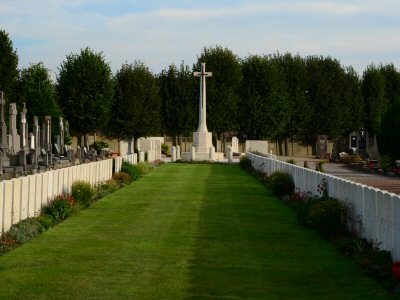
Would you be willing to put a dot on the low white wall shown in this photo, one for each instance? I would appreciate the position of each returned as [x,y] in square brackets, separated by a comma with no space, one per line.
[22,198]
[379,210]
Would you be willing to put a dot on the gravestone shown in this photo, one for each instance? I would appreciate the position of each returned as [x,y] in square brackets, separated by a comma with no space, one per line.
[23,134]
[3,136]
[61,143]
[322,146]
[235,144]
[13,144]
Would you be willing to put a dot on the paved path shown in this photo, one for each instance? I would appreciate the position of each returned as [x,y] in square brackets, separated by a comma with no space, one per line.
[390,184]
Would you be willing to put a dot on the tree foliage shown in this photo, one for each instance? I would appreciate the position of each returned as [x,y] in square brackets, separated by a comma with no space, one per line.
[179,103]
[137,106]
[85,91]
[8,67]
[373,89]
[222,88]
[389,133]
[265,107]
[37,91]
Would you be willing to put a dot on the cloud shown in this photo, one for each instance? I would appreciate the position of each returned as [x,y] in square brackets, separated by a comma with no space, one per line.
[162,32]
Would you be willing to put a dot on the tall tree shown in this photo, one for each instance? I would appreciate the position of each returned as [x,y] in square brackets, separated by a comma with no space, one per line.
[373,90]
[325,78]
[179,104]
[295,75]
[37,91]
[136,108]
[222,88]
[353,113]
[389,134]
[265,109]
[8,67]
[85,91]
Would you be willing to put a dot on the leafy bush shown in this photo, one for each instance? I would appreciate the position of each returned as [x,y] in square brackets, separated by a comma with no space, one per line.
[245,163]
[281,183]
[82,192]
[291,161]
[326,217]
[165,150]
[25,230]
[106,188]
[45,221]
[60,208]
[387,163]
[144,168]
[319,166]
[121,179]
[133,170]
[99,145]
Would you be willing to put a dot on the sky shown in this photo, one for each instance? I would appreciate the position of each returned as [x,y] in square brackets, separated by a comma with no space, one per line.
[159,33]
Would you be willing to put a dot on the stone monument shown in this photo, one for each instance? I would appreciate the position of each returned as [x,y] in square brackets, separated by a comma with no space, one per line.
[202,139]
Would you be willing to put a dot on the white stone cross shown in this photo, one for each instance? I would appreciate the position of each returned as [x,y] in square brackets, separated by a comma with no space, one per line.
[202,107]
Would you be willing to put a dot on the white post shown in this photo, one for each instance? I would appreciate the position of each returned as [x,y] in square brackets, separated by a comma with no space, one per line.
[212,153]
[230,154]
[193,153]
[173,154]
[178,152]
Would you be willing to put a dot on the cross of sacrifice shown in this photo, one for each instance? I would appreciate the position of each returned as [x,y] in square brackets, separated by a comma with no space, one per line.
[202,107]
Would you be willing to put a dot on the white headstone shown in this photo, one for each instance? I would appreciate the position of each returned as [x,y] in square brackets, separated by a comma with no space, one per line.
[235,144]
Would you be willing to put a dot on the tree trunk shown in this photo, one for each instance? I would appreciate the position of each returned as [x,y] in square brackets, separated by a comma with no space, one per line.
[180,140]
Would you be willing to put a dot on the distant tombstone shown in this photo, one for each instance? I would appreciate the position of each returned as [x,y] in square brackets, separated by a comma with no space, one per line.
[235,144]
[3,126]
[43,151]
[322,146]
[61,144]
[84,150]
[219,146]
[13,145]
[23,130]
[31,140]
[178,152]
[57,151]
[212,153]
[47,138]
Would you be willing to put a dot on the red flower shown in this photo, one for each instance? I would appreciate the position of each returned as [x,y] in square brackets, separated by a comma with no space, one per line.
[396,270]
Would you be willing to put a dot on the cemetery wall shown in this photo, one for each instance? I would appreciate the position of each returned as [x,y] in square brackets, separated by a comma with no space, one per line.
[24,197]
[379,210]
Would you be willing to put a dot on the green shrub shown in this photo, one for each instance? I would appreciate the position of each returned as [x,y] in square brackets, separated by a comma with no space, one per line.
[120,179]
[82,192]
[291,161]
[60,208]
[45,221]
[387,163]
[99,145]
[281,183]
[319,166]
[144,168]
[326,217]
[107,187]
[165,149]
[25,230]
[245,163]
[133,170]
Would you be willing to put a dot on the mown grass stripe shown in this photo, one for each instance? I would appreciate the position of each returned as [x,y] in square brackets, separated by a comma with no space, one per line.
[184,231]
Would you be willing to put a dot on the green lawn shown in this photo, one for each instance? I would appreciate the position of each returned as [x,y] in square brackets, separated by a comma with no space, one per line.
[183,231]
